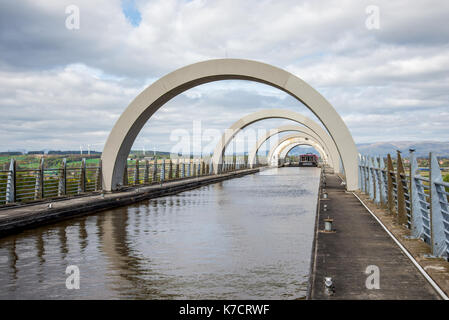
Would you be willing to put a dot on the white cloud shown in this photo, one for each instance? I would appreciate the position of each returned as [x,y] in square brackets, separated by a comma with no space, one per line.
[61,88]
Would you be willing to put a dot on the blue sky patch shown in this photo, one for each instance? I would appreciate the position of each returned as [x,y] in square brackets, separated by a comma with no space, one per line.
[131,12]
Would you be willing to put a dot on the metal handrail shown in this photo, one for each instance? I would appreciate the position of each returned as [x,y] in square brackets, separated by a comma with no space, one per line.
[422,200]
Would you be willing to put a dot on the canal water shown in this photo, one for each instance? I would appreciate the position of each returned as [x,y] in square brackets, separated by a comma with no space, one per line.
[245,238]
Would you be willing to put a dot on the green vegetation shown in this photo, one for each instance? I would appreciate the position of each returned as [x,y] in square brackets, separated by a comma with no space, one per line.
[30,162]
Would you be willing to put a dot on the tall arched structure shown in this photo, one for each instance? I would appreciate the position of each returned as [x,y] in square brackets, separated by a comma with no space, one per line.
[331,150]
[307,137]
[128,126]
[293,142]
[245,121]
[297,138]
[282,153]
[284,150]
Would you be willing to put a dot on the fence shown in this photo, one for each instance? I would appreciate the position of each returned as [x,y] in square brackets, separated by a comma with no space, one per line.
[416,196]
[24,185]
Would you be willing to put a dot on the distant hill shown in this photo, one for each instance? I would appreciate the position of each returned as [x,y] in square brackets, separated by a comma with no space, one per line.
[422,148]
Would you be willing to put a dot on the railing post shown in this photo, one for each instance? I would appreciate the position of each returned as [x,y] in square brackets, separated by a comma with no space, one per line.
[365,175]
[146,173]
[359,160]
[162,177]
[99,176]
[438,205]
[170,170]
[400,172]
[371,182]
[11,185]
[42,178]
[183,169]
[383,183]
[362,174]
[37,184]
[136,173]
[154,179]
[82,180]
[62,186]
[390,171]
[377,180]
[417,201]
[362,167]
[188,168]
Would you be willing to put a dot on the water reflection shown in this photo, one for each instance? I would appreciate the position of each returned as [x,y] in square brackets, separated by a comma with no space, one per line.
[247,238]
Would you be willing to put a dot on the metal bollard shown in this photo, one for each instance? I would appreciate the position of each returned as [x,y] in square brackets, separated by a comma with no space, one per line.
[328,224]
[329,288]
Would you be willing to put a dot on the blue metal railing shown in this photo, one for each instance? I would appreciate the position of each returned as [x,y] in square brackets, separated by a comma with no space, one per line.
[418,202]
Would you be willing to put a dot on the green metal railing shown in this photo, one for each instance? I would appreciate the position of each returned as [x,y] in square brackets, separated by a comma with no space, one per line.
[19,185]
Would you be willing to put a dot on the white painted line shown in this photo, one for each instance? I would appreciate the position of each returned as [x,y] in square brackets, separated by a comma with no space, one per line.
[417,265]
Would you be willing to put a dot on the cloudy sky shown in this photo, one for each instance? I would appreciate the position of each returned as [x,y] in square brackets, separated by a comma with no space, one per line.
[64,87]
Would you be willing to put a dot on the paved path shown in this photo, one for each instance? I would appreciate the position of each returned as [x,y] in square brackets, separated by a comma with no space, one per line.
[360,241]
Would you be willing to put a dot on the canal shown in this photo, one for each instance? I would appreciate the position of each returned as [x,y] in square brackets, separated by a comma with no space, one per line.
[245,238]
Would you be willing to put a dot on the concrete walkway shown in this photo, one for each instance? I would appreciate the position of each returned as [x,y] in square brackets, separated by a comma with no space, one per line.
[360,241]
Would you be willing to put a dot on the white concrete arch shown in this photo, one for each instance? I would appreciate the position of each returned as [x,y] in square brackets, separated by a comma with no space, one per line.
[299,139]
[284,139]
[139,111]
[331,150]
[283,154]
[280,157]
[305,137]
[245,121]
[284,150]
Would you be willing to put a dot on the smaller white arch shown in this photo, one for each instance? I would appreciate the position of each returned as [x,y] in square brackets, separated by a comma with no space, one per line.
[331,150]
[236,127]
[284,150]
[294,138]
[285,140]
[280,154]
